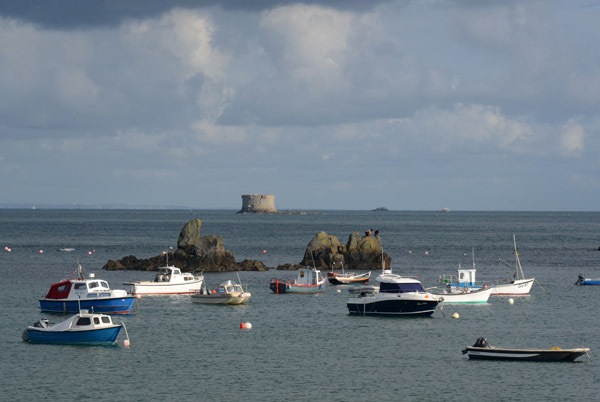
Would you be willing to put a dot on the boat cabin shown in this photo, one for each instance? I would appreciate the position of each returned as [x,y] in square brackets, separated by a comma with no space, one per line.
[172,274]
[465,278]
[92,320]
[229,286]
[79,288]
[401,287]
[308,276]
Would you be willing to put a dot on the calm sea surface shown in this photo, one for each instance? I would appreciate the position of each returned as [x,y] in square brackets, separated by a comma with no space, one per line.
[304,347]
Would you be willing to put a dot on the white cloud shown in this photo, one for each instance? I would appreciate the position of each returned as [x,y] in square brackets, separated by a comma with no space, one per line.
[206,132]
[572,138]
[476,124]
[313,42]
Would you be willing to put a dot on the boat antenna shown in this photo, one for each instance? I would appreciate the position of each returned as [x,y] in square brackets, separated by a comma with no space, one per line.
[313,259]
[473,252]
[80,271]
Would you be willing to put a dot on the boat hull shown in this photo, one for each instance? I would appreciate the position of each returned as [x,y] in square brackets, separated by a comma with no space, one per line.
[476,296]
[157,288]
[286,287]
[538,355]
[371,305]
[103,336]
[520,287]
[348,280]
[108,305]
[221,299]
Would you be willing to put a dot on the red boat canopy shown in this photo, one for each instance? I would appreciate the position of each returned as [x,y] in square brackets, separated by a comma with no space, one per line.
[59,290]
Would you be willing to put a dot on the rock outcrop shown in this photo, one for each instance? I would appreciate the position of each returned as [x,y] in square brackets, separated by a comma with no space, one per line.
[326,252]
[194,253]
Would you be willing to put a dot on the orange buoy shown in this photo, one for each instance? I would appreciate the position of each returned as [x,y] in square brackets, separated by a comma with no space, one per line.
[242,325]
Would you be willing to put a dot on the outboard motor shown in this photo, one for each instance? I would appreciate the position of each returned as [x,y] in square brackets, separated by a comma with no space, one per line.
[481,343]
[580,280]
[42,323]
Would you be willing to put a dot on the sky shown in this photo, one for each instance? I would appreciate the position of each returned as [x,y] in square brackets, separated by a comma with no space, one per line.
[349,104]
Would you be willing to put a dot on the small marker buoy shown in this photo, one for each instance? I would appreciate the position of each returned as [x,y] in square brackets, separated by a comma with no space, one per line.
[426,252]
[242,325]
[338,291]
[264,251]
[41,251]
[511,301]
[89,252]
[126,343]
[137,296]
[247,325]
[94,250]
[455,315]
[409,251]
[171,248]
[8,250]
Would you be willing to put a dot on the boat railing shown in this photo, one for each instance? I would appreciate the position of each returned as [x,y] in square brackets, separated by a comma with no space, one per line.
[448,279]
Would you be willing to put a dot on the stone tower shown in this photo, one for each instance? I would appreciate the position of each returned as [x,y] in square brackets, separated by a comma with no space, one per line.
[258,203]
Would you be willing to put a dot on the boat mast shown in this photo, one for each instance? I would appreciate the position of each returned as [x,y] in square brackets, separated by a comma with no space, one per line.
[518,267]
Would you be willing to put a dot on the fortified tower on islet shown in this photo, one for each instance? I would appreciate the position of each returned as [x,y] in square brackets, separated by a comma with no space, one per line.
[258,203]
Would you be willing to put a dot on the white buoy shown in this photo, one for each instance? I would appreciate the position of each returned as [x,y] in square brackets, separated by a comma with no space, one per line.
[338,291]
[511,301]
[455,315]
[247,325]
[41,251]
[126,343]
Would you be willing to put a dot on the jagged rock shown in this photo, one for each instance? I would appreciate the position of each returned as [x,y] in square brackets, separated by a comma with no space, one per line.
[326,252]
[253,265]
[289,267]
[194,253]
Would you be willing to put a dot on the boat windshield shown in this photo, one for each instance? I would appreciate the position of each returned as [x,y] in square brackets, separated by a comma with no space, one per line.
[400,287]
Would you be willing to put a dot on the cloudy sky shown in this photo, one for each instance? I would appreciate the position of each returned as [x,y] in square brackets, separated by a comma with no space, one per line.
[349,104]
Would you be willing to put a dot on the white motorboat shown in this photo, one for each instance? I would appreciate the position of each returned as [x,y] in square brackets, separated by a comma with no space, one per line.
[228,292]
[168,281]
[482,351]
[396,296]
[518,286]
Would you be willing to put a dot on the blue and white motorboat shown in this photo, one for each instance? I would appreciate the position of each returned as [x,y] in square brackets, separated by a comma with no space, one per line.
[396,296]
[95,295]
[83,328]
[582,280]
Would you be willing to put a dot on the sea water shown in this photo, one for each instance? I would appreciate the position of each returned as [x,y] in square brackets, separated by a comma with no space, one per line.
[304,347]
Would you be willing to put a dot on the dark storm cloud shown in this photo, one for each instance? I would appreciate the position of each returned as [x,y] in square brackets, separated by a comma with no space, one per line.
[73,14]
